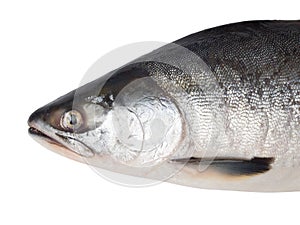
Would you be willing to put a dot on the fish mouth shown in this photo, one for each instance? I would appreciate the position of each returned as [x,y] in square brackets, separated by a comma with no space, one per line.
[37,133]
[56,144]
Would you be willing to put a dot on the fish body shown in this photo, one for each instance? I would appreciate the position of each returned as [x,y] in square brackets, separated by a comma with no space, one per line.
[218,109]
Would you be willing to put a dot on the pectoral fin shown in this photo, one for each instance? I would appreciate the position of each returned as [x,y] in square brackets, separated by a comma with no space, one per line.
[232,166]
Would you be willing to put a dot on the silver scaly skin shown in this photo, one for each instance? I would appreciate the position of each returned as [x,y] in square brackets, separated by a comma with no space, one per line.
[226,99]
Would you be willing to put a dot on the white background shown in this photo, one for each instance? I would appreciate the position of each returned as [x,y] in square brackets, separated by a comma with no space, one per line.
[45,48]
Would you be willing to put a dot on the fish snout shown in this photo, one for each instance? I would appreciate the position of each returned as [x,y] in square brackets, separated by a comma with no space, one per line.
[36,121]
[36,116]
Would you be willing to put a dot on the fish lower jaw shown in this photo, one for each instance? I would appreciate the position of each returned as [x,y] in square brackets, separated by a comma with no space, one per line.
[36,133]
[54,145]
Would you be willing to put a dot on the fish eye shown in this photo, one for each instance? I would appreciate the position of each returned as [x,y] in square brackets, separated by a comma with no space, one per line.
[71,120]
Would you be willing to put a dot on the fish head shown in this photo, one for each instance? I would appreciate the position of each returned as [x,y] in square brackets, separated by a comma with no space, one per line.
[121,121]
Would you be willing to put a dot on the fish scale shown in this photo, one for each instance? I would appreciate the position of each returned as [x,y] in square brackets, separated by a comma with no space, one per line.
[249,54]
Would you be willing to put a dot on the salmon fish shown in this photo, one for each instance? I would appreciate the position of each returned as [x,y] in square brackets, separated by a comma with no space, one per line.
[218,109]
